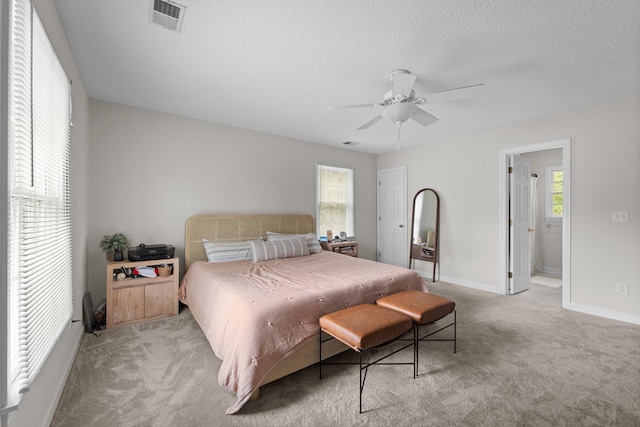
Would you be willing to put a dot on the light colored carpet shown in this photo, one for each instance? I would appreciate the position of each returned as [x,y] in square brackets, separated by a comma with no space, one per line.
[518,363]
[547,281]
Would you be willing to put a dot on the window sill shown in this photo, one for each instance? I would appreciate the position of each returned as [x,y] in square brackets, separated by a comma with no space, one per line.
[553,219]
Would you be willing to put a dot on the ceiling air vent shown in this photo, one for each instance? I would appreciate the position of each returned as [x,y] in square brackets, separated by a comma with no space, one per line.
[167,14]
[352,143]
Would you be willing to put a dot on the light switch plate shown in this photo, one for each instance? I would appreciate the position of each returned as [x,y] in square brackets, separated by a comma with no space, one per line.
[620,216]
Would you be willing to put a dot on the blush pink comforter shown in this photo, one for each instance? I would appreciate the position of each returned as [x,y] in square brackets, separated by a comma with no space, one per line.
[254,315]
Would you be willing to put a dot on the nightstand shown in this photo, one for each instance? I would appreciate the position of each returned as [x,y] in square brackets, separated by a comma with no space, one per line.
[135,300]
[345,247]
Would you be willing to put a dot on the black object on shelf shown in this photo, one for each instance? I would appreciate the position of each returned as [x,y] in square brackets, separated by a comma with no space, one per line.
[144,252]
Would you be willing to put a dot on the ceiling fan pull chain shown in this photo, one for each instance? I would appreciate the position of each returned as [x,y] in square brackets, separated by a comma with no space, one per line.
[399,124]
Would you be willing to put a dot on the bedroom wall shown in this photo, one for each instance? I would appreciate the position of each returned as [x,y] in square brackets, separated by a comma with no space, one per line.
[605,178]
[38,405]
[150,171]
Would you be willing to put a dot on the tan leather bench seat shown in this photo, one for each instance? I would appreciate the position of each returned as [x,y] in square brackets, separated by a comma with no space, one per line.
[365,326]
[423,308]
[420,306]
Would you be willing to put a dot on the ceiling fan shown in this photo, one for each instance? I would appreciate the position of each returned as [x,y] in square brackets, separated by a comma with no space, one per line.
[400,103]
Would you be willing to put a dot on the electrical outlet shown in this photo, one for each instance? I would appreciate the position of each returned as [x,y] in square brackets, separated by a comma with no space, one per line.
[447,261]
[622,288]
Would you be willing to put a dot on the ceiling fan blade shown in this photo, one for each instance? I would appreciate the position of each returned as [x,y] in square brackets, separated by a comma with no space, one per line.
[455,94]
[370,122]
[424,118]
[403,83]
[342,107]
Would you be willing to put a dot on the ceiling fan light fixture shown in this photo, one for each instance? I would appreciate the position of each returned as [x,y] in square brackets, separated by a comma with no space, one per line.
[400,112]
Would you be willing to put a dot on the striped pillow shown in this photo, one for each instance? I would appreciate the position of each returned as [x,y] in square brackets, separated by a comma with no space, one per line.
[312,240]
[288,248]
[227,251]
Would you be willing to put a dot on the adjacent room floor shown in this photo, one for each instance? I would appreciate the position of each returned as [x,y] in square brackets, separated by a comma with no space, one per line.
[548,290]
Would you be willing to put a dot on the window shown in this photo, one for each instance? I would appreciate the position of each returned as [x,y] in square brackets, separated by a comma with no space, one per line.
[36,279]
[334,198]
[555,192]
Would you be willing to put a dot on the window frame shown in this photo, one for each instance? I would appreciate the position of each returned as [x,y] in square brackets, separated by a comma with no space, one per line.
[549,193]
[36,239]
[350,226]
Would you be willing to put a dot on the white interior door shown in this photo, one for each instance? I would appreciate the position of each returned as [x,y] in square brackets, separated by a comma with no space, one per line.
[520,224]
[392,217]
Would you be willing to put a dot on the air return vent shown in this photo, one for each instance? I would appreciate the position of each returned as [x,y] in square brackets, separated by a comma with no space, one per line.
[167,14]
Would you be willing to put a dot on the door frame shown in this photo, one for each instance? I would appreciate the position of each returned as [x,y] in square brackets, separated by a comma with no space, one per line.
[405,246]
[565,145]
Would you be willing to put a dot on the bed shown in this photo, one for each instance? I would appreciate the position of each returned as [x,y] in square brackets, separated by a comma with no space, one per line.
[261,319]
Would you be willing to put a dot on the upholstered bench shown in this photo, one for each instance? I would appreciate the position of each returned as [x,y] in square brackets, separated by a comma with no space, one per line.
[423,308]
[366,327]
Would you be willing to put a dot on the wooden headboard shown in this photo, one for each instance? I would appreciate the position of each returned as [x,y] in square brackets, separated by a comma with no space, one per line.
[237,227]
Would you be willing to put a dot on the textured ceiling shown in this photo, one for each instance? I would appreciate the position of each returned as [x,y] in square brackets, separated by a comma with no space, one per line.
[275,66]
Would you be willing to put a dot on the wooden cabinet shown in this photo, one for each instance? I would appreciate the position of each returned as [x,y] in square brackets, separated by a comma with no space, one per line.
[346,248]
[135,300]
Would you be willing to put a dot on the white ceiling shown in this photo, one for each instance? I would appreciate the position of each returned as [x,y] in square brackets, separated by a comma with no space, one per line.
[275,66]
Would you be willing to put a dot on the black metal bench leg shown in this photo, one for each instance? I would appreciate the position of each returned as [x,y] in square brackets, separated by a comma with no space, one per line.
[455,336]
[455,331]
[320,362]
[361,382]
[364,365]
[415,351]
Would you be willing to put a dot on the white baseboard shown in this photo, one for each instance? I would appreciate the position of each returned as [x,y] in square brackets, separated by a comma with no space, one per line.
[552,270]
[609,314]
[473,285]
[462,282]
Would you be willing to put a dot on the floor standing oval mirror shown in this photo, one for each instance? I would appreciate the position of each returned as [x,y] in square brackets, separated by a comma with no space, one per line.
[425,224]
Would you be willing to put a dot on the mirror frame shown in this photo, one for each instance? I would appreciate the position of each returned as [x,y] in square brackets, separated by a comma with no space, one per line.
[437,237]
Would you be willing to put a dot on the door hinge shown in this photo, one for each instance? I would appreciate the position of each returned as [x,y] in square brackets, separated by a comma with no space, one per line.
[510,169]
[510,222]
[510,275]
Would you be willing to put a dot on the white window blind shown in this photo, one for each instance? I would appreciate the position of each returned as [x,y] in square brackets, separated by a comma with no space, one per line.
[334,197]
[39,277]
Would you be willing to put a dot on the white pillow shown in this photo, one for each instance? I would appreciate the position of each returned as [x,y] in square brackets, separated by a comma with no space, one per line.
[287,248]
[227,251]
[312,240]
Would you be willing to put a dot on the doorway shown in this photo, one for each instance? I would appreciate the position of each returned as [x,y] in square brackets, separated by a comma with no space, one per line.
[564,223]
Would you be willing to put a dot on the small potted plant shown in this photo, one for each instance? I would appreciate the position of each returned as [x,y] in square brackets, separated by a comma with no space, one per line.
[114,245]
